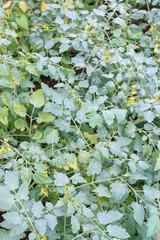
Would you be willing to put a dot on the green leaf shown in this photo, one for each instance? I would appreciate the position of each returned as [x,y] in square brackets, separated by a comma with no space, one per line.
[11,180]
[109,217]
[5,235]
[53,137]
[37,209]
[32,236]
[87,212]
[20,124]
[121,115]
[118,232]
[60,179]
[104,152]
[31,69]
[64,47]
[45,117]
[95,120]
[41,226]
[120,21]
[12,217]
[51,220]
[26,174]
[23,192]
[77,178]
[16,76]
[19,110]
[149,116]
[99,12]
[18,229]
[119,190]
[94,167]
[6,199]
[153,225]
[22,21]
[102,191]
[37,98]
[151,192]
[138,212]
[75,224]
[108,116]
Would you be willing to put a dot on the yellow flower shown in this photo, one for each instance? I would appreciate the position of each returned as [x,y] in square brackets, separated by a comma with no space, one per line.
[44,191]
[133,92]
[107,59]
[6,139]
[86,27]
[8,13]
[46,27]
[65,7]
[82,104]
[131,100]
[44,5]
[9,149]
[156,98]
[35,25]
[151,28]
[44,238]
[64,141]
[133,86]
[0,156]
[23,77]
[67,187]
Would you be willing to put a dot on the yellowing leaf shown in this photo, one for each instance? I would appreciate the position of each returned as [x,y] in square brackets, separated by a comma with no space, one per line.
[23,6]
[3,115]
[37,98]
[20,124]
[44,5]
[7,4]
[37,135]
[74,164]
[157,167]
[45,117]
[5,98]
[19,110]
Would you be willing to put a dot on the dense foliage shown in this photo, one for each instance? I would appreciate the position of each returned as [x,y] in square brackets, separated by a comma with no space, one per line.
[79,119]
